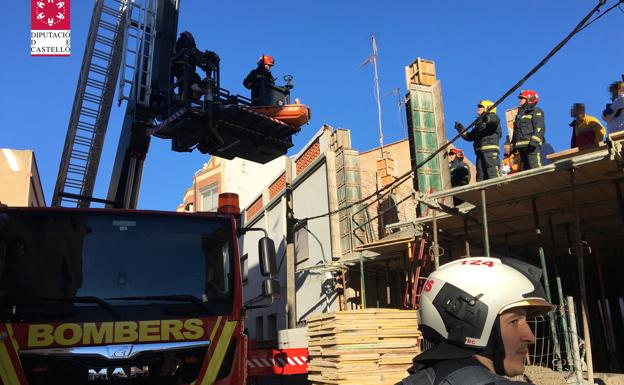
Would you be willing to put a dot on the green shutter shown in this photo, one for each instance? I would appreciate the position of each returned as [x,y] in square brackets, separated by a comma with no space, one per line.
[424,139]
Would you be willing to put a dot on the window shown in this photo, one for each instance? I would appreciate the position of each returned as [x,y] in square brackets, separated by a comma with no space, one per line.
[259,328]
[271,327]
[61,255]
[245,268]
[210,197]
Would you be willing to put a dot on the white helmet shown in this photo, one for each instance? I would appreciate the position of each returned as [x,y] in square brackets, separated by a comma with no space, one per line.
[461,300]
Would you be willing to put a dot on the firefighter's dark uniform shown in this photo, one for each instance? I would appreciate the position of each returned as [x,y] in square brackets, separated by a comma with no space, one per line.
[528,136]
[460,173]
[463,371]
[185,41]
[259,81]
[486,137]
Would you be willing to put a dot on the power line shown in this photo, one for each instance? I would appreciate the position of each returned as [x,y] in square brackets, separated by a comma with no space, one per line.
[579,27]
[620,2]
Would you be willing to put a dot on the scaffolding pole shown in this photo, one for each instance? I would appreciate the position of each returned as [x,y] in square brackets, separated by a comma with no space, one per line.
[581,273]
[362,276]
[486,237]
[608,324]
[564,324]
[578,368]
[564,321]
[436,252]
[542,257]
[466,243]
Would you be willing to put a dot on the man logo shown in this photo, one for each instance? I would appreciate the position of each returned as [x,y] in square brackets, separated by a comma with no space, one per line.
[119,351]
[106,374]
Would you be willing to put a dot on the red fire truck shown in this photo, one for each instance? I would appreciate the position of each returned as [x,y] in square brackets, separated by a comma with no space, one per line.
[120,296]
[126,297]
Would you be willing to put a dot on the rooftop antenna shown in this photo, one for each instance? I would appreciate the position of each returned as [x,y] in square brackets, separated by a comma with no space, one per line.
[397,92]
[377,95]
[373,59]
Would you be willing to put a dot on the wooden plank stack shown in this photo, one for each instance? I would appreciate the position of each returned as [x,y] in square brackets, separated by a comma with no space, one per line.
[362,347]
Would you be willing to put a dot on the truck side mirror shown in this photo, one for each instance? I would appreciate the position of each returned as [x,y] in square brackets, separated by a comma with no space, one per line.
[266,253]
[270,288]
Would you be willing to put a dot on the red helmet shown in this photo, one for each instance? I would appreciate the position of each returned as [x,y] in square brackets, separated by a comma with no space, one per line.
[530,96]
[457,152]
[266,60]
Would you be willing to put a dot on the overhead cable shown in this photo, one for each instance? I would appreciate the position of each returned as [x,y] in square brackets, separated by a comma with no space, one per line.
[579,27]
[617,4]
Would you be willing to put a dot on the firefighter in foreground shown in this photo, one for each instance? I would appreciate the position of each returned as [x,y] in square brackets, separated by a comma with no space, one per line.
[586,129]
[259,81]
[486,137]
[460,173]
[529,130]
[475,311]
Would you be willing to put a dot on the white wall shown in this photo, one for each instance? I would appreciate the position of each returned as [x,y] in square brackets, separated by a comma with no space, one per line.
[273,221]
[310,198]
[246,178]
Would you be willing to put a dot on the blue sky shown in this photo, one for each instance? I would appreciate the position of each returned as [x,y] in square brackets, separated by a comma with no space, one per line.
[480,49]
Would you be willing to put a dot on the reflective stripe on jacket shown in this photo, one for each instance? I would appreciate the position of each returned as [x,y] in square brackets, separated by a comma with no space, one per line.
[529,127]
[486,134]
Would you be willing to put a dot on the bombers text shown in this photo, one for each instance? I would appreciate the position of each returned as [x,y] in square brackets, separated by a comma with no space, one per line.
[91,333]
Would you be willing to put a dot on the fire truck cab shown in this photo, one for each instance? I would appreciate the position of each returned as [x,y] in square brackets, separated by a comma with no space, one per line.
[97,296]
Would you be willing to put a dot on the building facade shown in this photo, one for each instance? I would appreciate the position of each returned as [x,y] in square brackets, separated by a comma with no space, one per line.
[20,184]
[339,208]
[222,175]
[311,178]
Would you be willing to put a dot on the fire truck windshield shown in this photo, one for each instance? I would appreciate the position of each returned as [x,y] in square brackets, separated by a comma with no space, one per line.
[105,255]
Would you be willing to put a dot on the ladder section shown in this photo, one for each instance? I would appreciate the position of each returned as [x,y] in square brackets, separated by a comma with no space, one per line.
[92,105]
[137,54]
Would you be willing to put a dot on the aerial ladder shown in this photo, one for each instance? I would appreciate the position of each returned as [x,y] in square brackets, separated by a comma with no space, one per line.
[131,46]
[92,105]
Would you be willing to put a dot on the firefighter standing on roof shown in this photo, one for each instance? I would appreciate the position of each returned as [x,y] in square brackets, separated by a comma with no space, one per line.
[486,137]
[529,130]
[258,80]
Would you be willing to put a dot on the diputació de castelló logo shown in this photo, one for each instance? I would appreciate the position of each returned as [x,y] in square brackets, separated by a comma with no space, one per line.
[50,33]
